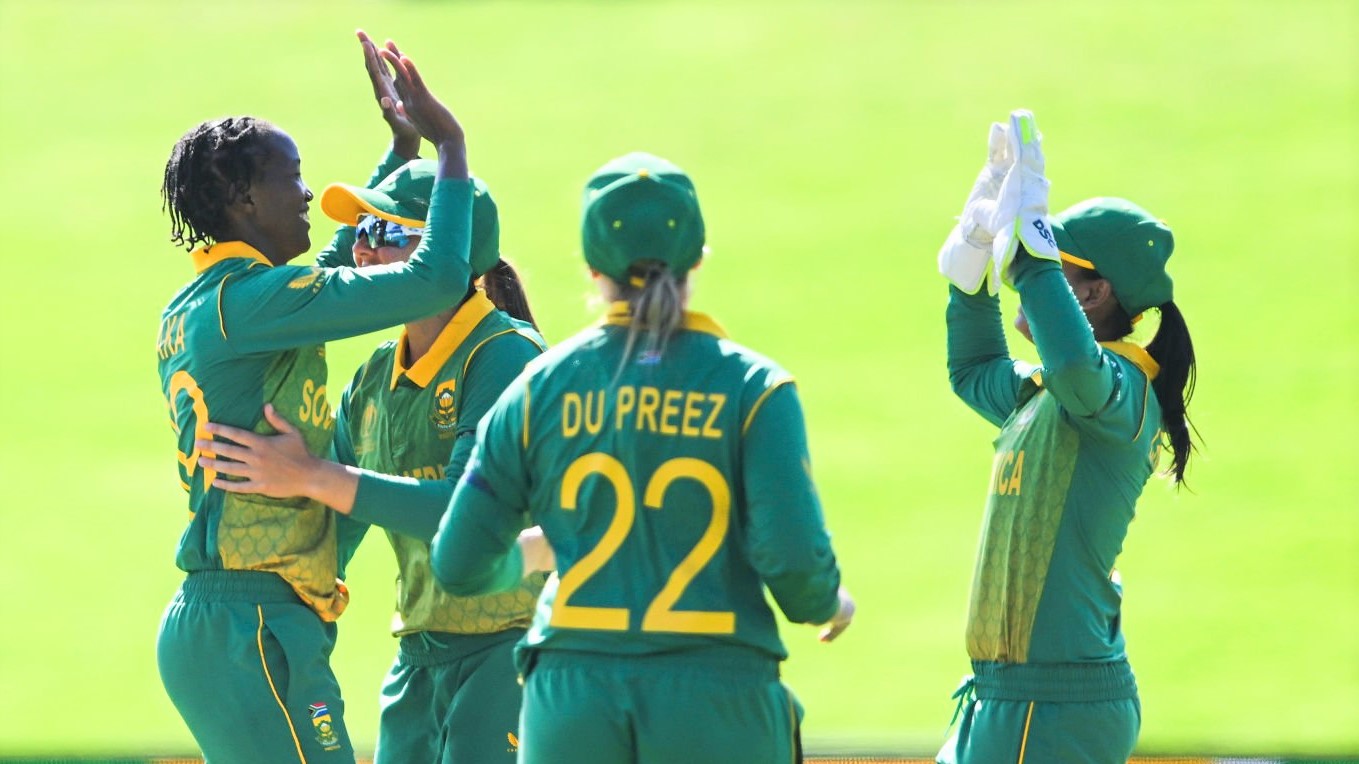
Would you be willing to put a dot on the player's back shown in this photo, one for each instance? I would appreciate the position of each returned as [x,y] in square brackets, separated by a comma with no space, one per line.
[637,481]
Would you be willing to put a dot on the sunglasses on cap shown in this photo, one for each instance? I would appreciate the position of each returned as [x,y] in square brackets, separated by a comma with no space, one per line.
[385,233]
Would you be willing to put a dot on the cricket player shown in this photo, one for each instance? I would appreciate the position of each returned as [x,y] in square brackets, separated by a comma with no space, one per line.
[668,469]
[1079,437]
[404,428]
[244,646]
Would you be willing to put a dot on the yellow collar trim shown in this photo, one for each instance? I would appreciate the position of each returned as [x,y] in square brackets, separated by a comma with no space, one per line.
[1138,355]
[422,372]
[206,257]
[619,315]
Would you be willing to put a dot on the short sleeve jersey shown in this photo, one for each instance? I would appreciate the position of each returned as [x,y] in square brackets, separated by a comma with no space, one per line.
[401,420]
[670,489]
[245,333]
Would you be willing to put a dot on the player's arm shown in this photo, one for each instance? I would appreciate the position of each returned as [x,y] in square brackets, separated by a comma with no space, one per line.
[415,507]
[786,534]
[474,551]
[1086,379]
[405,146]
[270,309]
[980,369]
[349,532]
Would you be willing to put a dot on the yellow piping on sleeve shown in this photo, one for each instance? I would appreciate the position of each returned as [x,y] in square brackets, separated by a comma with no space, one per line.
[760,402]
[526,415]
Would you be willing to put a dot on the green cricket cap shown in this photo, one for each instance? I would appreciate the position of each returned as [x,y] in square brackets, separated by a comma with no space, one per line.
[1124,243]
[640,207]
[403,197]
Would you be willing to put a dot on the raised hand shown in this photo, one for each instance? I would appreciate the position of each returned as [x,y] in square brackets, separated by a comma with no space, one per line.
[965,258]
[1023,200]
[424,110]
[405,137]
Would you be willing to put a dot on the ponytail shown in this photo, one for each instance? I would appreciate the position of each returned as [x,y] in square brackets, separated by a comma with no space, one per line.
[656,302]
[1174,386]
[506,291]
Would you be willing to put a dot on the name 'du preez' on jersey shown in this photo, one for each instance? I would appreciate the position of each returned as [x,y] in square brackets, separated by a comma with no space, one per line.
[678,413]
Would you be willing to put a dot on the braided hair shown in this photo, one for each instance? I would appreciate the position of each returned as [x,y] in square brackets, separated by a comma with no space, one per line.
[210,168]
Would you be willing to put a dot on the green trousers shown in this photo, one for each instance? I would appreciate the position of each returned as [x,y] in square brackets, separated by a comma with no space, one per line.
[1039,713]
[450,699]
[248,667]
[718,706]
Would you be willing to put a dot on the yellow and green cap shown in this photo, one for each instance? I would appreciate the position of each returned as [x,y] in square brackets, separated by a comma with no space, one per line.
[641,207]
[403,197]
[1124,243]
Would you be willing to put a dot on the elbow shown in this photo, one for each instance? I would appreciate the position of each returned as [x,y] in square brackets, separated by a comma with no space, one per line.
[459,583]
[1077,387]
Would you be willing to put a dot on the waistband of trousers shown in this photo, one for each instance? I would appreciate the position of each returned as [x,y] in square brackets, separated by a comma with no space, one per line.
[1054,682]
[236,586]
[727,660]
[429,648]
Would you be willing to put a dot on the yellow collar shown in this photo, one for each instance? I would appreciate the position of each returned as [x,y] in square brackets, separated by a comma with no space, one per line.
[450,337]
[206,257]
[1138,355]
[619,315]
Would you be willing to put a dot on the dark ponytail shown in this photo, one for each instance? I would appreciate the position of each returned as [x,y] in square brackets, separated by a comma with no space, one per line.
[506,291]
[1174,386]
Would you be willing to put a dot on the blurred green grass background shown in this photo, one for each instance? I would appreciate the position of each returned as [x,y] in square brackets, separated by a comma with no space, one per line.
[831,142]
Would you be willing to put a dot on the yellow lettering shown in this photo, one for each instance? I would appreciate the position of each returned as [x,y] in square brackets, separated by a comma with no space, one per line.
[304,411]
[999,478]
[594,412]
[1016,476]
[692,401]
[710,430]
[320,411]
[627,398]
[669,411]
[571,415]
[647,401]
[171,339]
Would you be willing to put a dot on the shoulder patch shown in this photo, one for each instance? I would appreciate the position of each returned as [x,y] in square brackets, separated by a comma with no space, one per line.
[306,279]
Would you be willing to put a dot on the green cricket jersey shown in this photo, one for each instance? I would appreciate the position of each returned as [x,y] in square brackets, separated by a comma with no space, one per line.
[245,333]
[414,428]
[670,490]
[1078,440]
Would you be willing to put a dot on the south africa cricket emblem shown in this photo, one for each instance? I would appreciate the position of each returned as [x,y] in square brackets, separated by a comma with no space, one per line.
[324,726]
[444,416]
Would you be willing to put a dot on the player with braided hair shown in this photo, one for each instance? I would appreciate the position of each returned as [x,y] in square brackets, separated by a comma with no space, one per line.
[244,647]
[668,469]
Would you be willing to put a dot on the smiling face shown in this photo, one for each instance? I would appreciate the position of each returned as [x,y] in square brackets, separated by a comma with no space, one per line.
[273,216]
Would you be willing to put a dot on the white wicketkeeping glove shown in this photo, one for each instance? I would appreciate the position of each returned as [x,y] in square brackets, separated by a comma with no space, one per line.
[1023,200]
[965,258]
